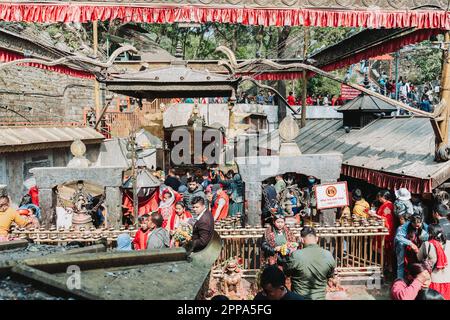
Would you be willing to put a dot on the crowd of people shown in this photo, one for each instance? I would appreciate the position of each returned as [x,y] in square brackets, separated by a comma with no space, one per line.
[186,203]
[406,92]
[412,244]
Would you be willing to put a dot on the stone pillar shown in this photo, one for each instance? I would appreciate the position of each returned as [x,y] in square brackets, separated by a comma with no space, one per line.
[46,205]
[114,206]
[328,216]
[253,196]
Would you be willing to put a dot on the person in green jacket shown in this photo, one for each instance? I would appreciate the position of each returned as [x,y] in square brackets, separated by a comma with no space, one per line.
[310,267]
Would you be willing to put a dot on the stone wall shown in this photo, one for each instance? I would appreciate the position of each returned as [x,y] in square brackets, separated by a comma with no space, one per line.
[52,96]
[15,166]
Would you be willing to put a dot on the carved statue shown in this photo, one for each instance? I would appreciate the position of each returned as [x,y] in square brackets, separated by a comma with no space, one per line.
[294,200]
[232,281]
[80,200]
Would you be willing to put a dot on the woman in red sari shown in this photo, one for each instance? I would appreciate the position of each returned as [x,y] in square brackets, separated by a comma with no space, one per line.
[386,212]
[167,205]
[178,217]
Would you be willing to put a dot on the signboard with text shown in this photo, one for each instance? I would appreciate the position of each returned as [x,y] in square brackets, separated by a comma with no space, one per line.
[333,195]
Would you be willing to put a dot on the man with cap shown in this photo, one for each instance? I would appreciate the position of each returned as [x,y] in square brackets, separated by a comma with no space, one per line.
[311,267]
[440,214]
[408,239]
[361,207]
[403,207]
[221,203]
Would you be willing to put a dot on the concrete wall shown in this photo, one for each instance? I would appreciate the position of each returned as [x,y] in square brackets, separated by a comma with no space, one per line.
[14,168]
[178,114]
[51,95]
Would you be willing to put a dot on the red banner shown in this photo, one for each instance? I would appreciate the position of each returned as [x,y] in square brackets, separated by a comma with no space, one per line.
[348,93]
[85,12]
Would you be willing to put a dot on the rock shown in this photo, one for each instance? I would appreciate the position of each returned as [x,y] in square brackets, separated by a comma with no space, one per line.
[33,249]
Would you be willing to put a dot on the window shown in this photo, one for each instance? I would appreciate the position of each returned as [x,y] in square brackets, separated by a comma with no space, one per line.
[37,160]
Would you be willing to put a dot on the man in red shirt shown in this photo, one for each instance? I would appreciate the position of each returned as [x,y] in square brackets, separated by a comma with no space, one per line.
[291,99]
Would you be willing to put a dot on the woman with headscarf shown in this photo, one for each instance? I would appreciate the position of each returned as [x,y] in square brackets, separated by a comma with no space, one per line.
[178,217]
[275,236]
[167,205]
[436,251]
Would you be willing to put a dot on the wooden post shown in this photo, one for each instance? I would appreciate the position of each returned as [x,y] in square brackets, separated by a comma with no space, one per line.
[305,79]
[96,84]
[442,122]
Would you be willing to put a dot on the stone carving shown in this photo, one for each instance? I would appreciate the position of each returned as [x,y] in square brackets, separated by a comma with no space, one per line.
[318,3]
[347,4]
[80,200]
[288,129]
[398,4]
[78,150]
[289,2]
[231,282]
[430,3]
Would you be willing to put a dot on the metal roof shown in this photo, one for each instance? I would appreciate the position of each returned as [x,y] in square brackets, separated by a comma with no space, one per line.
[401,145]
[171,82]
[26,138]
[367,103]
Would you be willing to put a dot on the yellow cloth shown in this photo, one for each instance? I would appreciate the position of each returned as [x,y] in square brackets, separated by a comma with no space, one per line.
[7,218]
[361,209]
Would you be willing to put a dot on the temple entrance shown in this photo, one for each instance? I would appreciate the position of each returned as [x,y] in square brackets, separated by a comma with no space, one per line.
[293,194]
[80,205]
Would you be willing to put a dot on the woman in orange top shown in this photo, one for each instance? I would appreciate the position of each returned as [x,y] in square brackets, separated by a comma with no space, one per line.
[221,204]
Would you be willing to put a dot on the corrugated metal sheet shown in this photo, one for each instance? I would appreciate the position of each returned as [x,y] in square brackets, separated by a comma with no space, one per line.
[22,136]
[402,145]
[367,103]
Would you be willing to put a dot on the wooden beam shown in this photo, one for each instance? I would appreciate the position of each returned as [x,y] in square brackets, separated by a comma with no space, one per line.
[48,283]
[6,266]
[91,261]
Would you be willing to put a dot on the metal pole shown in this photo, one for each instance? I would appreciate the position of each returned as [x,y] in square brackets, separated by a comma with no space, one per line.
[305,79]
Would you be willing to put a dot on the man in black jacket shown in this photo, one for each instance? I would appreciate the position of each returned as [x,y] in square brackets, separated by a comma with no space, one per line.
[441,213]
[172,180]
[203,229]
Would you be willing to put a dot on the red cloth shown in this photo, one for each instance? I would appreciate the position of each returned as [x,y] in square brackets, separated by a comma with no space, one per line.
[185,216]
[140,239]
[34,193]
[442,288]
[329,17]
[145,205]
[441,262]
[386,212]
[224,213]
[388,181]
[7,56]
[291,100]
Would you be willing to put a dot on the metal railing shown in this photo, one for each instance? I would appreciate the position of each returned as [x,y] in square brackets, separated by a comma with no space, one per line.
[356,250]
